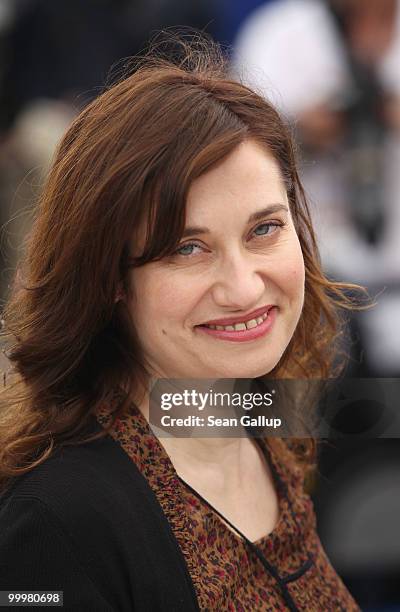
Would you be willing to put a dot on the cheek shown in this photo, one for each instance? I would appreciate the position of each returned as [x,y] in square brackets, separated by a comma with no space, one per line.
[160,298]
[292,277]
[296,275]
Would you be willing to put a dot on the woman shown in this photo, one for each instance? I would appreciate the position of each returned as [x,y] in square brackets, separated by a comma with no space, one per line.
[172,240]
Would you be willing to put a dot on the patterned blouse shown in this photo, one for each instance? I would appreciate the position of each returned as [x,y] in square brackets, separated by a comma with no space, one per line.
[226,575]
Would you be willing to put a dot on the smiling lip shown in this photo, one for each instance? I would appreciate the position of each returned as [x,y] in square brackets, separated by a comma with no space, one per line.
[246,335]
[241,318]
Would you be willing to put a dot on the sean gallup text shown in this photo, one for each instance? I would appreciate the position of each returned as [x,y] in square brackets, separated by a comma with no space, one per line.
[213,421]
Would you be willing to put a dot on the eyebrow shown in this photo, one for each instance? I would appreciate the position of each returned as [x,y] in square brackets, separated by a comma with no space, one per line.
[260,214]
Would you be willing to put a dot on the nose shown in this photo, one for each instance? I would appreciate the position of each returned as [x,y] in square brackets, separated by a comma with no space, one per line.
[239,282]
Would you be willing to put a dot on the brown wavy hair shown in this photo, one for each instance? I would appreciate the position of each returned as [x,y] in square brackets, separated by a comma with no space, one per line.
[128,158]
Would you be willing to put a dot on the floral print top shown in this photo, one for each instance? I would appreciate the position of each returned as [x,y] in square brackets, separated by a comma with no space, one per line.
[226,574]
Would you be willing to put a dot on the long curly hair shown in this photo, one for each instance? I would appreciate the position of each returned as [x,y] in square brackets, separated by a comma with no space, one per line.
[128,158]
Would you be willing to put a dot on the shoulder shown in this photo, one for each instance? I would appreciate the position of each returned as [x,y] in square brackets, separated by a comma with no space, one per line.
[84,481]
[79,489]
[87,519]
[50,534]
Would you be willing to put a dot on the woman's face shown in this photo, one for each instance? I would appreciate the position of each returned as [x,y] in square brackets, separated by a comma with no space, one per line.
[236,261]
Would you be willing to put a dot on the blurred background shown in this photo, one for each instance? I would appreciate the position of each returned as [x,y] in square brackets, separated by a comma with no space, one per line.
[332,67]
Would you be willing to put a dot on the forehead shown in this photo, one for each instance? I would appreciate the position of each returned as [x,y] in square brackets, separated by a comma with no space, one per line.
[248,178]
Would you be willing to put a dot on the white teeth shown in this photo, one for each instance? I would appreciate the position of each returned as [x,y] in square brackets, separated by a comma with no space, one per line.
[251,324]
[242,326]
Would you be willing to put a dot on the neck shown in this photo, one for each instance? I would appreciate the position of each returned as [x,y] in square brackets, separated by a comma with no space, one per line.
[221,461]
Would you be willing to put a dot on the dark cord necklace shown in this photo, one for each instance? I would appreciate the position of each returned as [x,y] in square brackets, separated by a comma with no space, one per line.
[254,549]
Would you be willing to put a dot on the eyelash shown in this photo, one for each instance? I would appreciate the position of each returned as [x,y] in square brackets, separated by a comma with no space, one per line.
[280,224]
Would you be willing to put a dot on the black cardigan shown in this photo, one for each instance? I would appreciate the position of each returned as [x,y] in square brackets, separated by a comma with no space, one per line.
[87,523]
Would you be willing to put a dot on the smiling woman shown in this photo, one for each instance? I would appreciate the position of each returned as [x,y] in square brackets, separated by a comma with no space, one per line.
[172,240]
[241,257]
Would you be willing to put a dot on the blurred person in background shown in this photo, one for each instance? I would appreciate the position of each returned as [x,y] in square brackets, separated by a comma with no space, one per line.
[333,67]
[55,58]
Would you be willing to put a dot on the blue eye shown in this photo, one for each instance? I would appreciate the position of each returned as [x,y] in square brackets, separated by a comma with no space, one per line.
[268,226]
[186,249]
